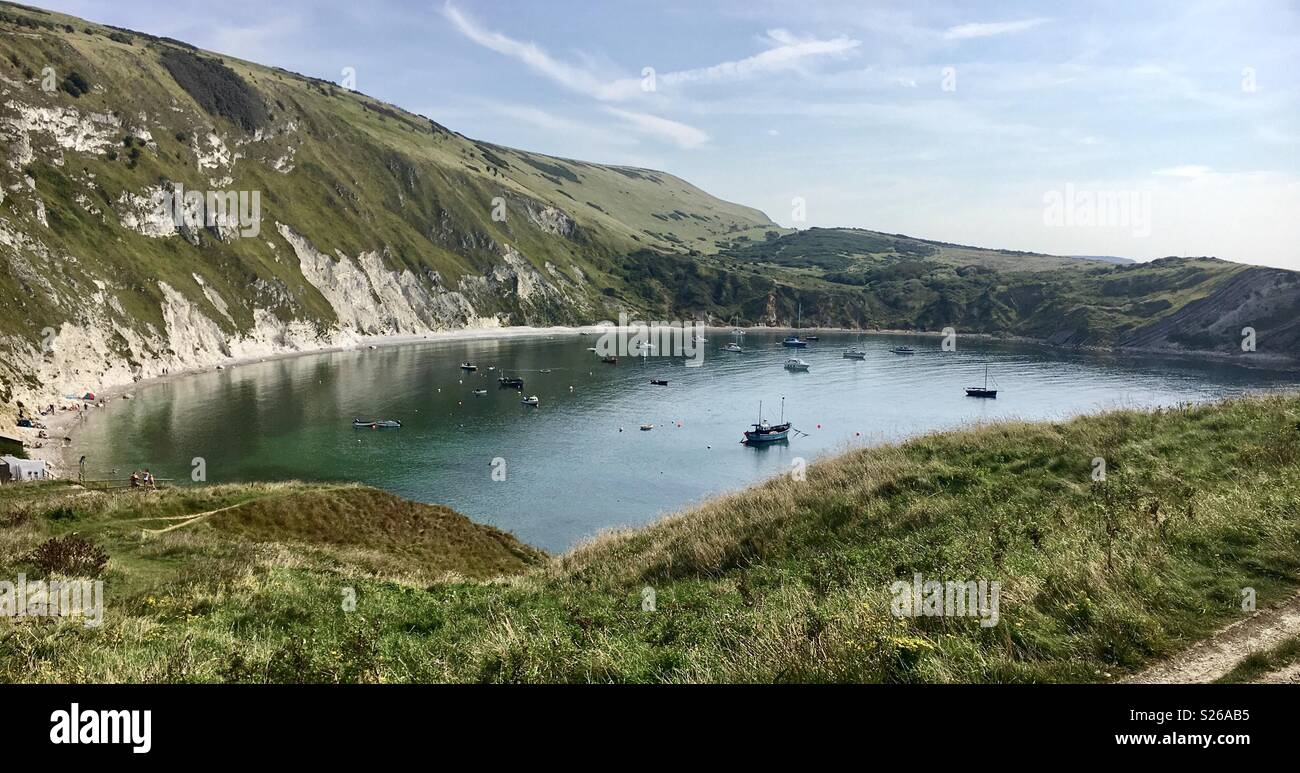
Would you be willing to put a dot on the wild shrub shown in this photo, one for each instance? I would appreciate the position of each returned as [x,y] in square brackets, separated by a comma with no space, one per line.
[72,555]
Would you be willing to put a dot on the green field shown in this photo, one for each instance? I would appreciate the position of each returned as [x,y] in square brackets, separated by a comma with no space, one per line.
[786,582]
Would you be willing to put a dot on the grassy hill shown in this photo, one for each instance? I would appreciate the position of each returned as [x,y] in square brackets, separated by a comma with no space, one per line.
[373,220]
[787,581]
[377,221]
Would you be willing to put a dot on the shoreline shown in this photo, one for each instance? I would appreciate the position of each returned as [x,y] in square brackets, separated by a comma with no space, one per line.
[63,426]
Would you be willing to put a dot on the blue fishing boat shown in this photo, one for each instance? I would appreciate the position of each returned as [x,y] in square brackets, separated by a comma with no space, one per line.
[795,342]
[763,432]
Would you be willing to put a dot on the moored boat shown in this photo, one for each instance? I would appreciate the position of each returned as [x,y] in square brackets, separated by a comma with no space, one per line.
[794,363]
[795,342]
[659,382]
[764,432]
[983,391]
[903,350]
[511,383]
[468,366]
[531,400]
[854,353]
[732,347]
[376,423]
[609,359]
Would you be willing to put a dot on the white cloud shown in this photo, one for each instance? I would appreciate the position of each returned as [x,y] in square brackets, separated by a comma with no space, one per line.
[533,56]
[679,134]
[988,29]
[786,52]
[1186,171]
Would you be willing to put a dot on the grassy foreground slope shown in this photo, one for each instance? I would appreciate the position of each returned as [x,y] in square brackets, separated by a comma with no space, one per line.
[787,581]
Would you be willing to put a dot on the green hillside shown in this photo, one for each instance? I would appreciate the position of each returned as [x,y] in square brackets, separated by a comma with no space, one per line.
[789,581]
[376,221]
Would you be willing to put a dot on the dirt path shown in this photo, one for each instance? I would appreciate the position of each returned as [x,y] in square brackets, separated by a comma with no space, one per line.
[1210,659]
[1287,675]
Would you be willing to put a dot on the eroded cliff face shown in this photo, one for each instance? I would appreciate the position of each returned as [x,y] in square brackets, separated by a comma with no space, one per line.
[104,341]
[118,261]
[108,348]
[109,275]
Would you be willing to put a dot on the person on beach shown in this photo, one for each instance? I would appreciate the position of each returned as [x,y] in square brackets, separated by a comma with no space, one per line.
[135,479]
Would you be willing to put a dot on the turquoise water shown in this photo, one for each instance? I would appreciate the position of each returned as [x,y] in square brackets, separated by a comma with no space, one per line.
[578,463]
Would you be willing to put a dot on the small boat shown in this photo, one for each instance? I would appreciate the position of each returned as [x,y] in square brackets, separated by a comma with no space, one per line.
[491,368]
[732,347]
[795,342]
[591,348]
[530,400]
[659,382]
[854,353]
[794,363]
[763,432]
[903,350]
[480,391]
[647,427]
[544,370]
[468,366]
[376,424]
[983,391]
[609,359]
[512,383]
[699,340]
[813,337]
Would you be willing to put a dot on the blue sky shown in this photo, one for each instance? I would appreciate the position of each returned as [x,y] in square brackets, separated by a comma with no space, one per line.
[945,120]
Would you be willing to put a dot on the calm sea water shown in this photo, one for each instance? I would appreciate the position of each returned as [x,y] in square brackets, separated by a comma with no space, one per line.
[578,463]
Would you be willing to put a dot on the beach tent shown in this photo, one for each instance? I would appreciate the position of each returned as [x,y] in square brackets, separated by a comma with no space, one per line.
[88,396]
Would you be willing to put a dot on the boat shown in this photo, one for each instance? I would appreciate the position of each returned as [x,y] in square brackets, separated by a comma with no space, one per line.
[794,363]
[813,337]
[512,383]
[609,359]
[544,370]
[763,432]
[530,400]
[480,391]
[983,391]
[854,353]
[376,423]
[903,350]
[468,366]
[647,427]
[795,342]
[645,346]
[699,340]
[659,382]
[732,347]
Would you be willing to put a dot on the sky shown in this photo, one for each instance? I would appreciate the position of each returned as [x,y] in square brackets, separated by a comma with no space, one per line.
[1135,129]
